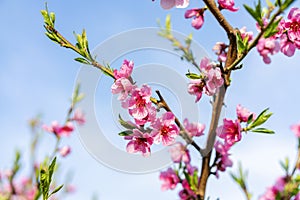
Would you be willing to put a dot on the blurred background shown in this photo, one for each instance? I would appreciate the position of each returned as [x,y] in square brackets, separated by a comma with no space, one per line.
[37,77]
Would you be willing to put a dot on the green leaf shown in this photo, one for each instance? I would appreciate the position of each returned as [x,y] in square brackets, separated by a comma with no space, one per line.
[45,16]
[278,3]
[262,130]
[56,190]
[189,39]
[255,13]
[44,184]
[258,9]
[286,4]
[242,45]
[262,118]
[168,24]
[79,98]
[250,119]
[125,124]
[195,179]
[53,37]
[250,11]
[285,164]
[52,18]
[125,133]
[51,169]
[82,60]
[269,3]
[272,29]
[193,76]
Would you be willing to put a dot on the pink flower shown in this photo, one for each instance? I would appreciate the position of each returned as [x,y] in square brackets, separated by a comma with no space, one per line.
[224,160]
[287,47]
[230,131]
[195,87]
[243,113]
[70,188]
[227,4]
[59,130]
[168,4]
[268,195]
[79,117]
[220,50]
[164,129]
[292,24]
[169,179]
[296,129]
[205,65]
[289,33]
[187,193]
[213,76]
[272,192]
[198,17]
[279,184]
[191,169]
[125,71]
[245,34]
[194,129]
[214,81]
[179,153]
[266,47]
[123,87]
[297,197]
[140,106]
[211,81]
[140,142]
[64,151]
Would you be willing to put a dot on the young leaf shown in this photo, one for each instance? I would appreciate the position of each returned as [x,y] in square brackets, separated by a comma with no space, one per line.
[278,3]
[286,4]
[242,45]
[168,24]
[56,190]
[44,184]
[250,119]
[262,118]
[285,164]
[51,169]
[262,130]
[188,40]
[270,4]
[272,29]
[125,133]
[255,13]
[193,76]
[82,60]
[125,124]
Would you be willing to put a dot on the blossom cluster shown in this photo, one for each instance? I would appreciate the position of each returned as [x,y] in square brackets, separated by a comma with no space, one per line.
[24,188]
[185,174]
[220,48]
[148,128]
[65,130]
[286,40]
[29,187]
[287,186]
[230,132]
[137,100]
[198,13]
[208,82]
[284,188]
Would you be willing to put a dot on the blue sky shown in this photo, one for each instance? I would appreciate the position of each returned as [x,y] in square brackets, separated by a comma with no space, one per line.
[36,76]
